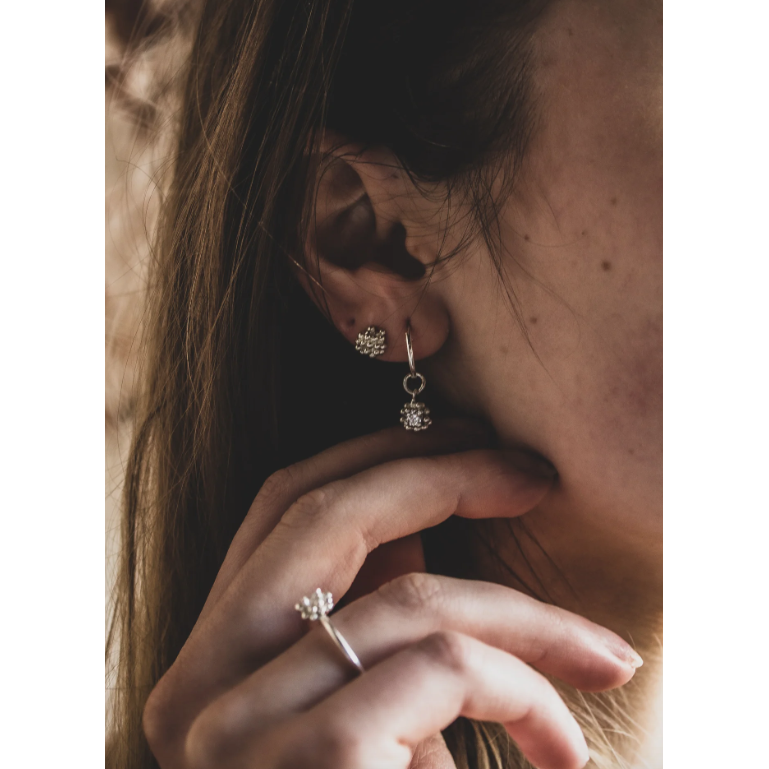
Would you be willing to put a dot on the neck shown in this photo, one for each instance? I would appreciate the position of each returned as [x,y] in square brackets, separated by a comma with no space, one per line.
[584,559]
[609,579]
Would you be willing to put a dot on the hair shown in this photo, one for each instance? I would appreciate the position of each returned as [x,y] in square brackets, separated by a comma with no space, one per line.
[230,389]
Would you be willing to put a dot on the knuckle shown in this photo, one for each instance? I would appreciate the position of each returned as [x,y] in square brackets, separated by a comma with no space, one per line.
[157,718]
[561,628]
[448,649]
[278,485]
[206,742]
[153,723]
[416,592]
[559,632]
[343,748]
[311,505]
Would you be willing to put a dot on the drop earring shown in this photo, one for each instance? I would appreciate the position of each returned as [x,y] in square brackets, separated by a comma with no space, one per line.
[371,342]
[414,415]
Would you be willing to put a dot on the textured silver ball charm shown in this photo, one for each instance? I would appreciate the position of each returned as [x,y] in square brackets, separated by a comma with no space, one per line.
[371,342]
[415,416]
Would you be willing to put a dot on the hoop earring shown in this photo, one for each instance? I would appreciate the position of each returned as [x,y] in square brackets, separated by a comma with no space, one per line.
[371,342]
[414,415]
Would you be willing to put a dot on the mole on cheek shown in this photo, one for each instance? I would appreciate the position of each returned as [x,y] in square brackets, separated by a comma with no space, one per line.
[533,320]
[606,266]
[526,238]
[351,323]
[503,350]
[613,201]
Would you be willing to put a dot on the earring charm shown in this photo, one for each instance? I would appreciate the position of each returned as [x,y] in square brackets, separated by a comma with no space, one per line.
[414,415]
[371,342]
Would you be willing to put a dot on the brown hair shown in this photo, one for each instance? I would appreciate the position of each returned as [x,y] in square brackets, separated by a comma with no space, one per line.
[231,389]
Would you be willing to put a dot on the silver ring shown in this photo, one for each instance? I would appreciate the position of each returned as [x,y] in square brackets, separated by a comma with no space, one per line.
[316,608]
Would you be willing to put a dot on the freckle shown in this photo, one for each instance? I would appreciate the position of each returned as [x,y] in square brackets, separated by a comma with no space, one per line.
[584,232]
[613,201]
[605,266]
[533,320]
[631,451]
[503,350]
[526,238]
[570,32]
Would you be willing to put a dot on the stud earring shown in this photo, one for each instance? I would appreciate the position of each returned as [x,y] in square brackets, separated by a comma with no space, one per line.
[371,342]
[414,415]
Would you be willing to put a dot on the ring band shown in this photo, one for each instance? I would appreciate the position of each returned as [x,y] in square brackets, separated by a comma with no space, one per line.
[316,608]
[340,641]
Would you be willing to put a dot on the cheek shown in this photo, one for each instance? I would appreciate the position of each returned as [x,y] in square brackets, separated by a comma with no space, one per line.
[629,408]
[598,329]
[608,443]
[602,428]
[594,389]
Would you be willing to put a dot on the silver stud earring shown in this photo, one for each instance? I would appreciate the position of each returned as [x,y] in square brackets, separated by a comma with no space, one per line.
[414,415]
[371,342]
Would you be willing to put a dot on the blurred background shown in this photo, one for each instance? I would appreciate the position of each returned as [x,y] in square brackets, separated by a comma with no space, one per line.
[146,43]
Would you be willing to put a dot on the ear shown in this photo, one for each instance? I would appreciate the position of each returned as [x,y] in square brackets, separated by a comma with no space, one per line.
[371,250]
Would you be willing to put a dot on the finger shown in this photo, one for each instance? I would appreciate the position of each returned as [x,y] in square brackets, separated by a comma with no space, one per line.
[283,488]
[322,540]
[211,743]
[326,535]
[389,710]
[406,611]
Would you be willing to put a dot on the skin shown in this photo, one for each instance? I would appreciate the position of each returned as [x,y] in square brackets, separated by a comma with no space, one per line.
[577,376]
[584,236]
[578,382]
[248,687]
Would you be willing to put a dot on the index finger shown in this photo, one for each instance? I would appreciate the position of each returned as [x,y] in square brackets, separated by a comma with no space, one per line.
[325,536]
[283,488]
[322,541]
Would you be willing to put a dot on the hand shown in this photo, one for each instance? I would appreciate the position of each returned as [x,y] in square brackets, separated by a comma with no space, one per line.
[251,688]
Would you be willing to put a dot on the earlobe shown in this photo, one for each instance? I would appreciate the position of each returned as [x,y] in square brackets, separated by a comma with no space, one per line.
[415,415]
[357,266]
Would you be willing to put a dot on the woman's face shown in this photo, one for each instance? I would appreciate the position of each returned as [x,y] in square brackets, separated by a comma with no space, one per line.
[581,379]
[577,374]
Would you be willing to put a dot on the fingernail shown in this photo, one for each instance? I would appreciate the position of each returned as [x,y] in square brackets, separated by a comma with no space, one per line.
[532,463]
[627,654]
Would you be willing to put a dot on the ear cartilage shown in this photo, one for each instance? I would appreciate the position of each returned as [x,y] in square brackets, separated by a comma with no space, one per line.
[414,415]
[371,342]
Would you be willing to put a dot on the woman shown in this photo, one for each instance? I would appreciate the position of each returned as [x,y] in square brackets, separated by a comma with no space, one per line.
[473,185]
